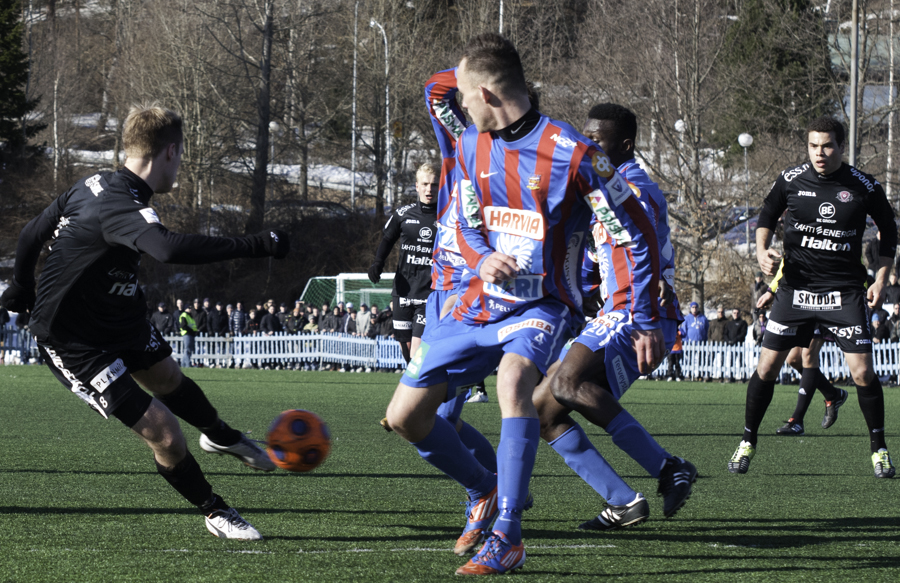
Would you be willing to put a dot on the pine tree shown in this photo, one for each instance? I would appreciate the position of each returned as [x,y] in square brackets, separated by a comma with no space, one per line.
[15,128]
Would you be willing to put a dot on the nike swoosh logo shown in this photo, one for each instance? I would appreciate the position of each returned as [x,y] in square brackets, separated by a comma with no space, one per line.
[483,175]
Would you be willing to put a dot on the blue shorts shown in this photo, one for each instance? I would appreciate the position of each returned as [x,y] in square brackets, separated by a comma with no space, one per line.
[462,354]
[433,306]
[452,409]
[612,332]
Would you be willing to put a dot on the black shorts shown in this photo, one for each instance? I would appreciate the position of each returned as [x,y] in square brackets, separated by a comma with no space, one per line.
[409,318]
[797,313]
[102,379]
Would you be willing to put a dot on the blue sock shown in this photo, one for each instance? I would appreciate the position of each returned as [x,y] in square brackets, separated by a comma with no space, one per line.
[631,437]
[480,447]
[443,449]
[519,437]
[581,455]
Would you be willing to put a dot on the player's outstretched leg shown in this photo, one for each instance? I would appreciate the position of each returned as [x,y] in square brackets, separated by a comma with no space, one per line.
[186,399]
[160,430]
[832,406]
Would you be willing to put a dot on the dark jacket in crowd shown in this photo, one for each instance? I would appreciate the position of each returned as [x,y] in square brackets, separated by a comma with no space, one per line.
[385,322]
[218,322]
[717,330]
[270,323]
[735,331]
[163,321]
[238,322]
[201,316]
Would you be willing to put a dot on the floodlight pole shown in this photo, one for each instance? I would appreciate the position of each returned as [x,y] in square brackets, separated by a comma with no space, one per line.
[746,140]
[387,113]
[353,116]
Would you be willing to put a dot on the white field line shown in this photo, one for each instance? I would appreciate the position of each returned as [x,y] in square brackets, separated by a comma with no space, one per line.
[321,552]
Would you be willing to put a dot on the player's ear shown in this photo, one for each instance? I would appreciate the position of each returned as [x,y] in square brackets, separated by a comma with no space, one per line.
[627,146]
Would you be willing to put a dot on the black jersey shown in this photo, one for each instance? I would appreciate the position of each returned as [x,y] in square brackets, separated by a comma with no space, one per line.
[88,295]
[415,226]
[88,292]
[824,221]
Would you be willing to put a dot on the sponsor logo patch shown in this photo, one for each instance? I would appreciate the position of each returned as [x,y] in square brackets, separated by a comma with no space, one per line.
[804,300]
[426,233]
[615,231]
[826,210]
[620,373]
[470,204]
[534,182]
[805,193]
[149,215]
[823,244]
[515,222]
[849,332]
[794,172]
[845,196]
[415,365]
[400,325]
[780,329]
[618,188]
[535,323]
[563,141]
[523,287]
[94,184]
[602,165]
[109,375]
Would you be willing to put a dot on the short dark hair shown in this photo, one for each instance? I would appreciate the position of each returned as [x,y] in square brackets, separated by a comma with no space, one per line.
[826,124]
[493,56]
[623,119]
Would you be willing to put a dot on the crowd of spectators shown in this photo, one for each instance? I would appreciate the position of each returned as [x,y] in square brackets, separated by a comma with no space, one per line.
[269,318]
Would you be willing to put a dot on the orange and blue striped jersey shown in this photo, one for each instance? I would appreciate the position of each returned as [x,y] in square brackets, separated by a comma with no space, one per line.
[612,267]
[448,121]
[533,199]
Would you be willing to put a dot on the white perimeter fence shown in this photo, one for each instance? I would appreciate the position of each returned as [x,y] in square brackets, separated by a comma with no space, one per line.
[701,359]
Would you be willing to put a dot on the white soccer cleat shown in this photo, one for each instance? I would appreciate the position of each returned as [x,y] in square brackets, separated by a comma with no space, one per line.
[245,450]
[478,397]
[230,524]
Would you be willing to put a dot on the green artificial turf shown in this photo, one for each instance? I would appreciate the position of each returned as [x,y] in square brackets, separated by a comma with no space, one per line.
[81,500]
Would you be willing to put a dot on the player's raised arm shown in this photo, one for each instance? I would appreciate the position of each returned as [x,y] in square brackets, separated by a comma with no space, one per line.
[628,225]
[447,117]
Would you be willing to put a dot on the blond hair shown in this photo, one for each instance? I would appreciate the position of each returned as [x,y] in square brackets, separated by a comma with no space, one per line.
[426,170]
[149,129]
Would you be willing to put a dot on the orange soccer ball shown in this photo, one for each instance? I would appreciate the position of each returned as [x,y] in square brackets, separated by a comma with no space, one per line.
[298,441]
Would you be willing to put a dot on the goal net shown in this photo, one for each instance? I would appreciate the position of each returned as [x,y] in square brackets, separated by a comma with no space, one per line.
[349,287]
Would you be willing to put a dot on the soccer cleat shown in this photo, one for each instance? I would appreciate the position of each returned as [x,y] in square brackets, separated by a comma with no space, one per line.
[478,397]
[676,483]
[831,409]
[229,524]
[790,427]
[497,556]
[615,517]
[384,423]
[881,459]
[740,461]
[479,516]
[245,450]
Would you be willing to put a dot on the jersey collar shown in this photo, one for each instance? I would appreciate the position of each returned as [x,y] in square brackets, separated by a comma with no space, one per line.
[139,189]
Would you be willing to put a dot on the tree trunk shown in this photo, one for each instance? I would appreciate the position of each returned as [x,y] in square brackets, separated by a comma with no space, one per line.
[263,106]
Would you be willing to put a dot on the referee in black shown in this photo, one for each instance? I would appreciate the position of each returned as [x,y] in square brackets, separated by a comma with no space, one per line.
[89,313]
[825,203]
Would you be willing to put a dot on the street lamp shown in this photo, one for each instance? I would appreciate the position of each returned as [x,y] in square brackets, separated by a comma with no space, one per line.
[680,126]
[353,117]
[746,140]
[387,113]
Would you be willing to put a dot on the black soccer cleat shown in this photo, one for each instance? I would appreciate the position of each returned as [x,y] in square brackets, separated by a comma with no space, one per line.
[790,427]
[676,483]
[615,517]
[831,410]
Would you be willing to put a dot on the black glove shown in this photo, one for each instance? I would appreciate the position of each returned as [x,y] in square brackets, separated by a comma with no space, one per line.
[375,272]
[17,298]
[275,242]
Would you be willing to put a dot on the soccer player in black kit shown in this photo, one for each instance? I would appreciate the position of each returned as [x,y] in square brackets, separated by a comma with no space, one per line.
[89,313]
[415,226]
[825,203]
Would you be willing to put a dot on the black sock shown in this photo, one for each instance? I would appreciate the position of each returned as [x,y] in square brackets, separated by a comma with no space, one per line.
[188,480]
[805,394]
[189,403]
[871,402]
[759,395]
[829,391]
